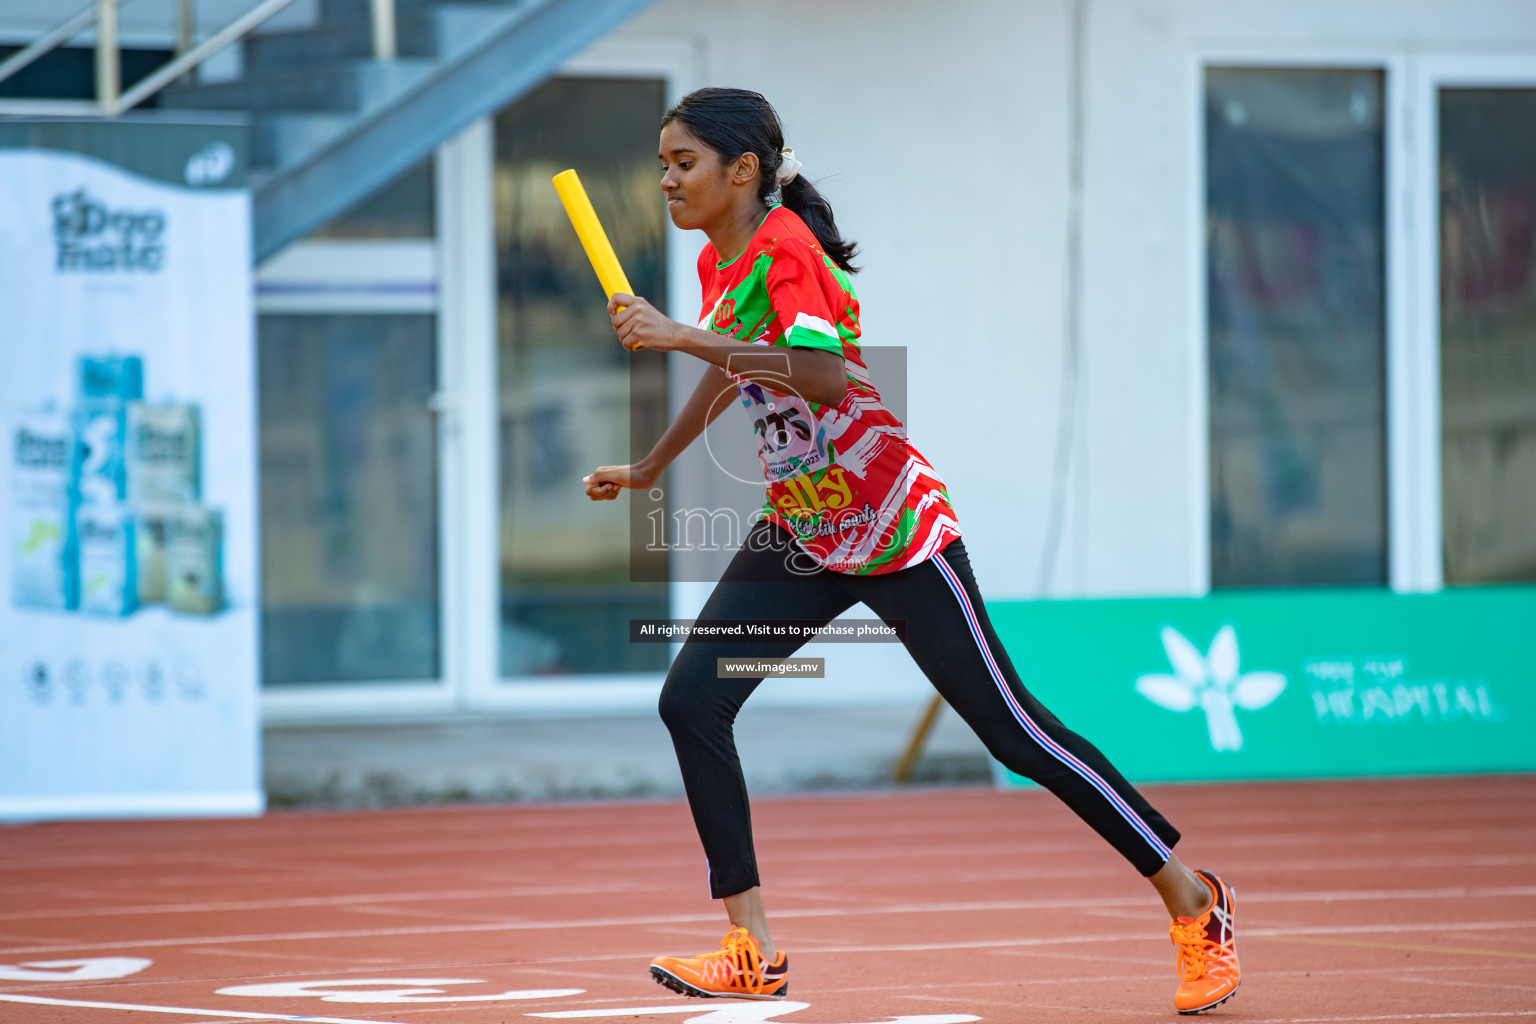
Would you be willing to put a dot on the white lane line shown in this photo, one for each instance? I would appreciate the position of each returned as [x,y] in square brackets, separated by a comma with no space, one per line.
[794,886]
[1504,892]
[811,912]
[960,853]
[240,1015]
[1247,933]
[1361,929]
[385,898]
[369,933]
[370,962]
[1480,1015]
[820,838]
[1070,903]
[1391,973]
[1455,983]
[971,906]
[636,1011]
[315,901]
[8,937]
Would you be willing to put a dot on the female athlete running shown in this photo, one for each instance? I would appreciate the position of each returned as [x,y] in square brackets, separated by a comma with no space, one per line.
[854,514]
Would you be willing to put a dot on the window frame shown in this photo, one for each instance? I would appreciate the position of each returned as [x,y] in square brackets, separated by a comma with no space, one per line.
[1412,224]
[456,277]
[1403,384]
[484,688]
[377,276]
[1428,74]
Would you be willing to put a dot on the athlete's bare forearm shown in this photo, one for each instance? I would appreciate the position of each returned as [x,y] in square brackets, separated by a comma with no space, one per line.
[813,374]
[710,397]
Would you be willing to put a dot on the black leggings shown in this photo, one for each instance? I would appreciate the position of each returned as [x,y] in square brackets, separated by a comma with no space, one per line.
[947,634]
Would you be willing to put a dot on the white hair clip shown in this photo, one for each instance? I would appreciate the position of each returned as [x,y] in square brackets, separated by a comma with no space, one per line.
[789,168]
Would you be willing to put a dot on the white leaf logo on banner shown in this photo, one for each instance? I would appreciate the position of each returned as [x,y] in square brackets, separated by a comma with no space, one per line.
[1211,682]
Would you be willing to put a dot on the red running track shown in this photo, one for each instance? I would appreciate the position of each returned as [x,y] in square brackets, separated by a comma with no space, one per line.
[1407,900]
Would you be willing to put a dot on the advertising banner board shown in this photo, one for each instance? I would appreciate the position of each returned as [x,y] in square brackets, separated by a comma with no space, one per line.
[128,654]
[1288,684]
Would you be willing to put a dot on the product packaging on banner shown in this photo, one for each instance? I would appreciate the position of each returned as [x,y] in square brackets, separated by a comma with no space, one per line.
[129,651]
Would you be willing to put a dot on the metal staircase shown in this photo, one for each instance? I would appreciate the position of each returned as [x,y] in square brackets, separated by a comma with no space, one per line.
[330,122]
[340,108]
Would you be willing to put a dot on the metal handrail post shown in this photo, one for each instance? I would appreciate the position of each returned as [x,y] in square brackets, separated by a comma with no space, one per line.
[109,81]
[384,29]
[183,26]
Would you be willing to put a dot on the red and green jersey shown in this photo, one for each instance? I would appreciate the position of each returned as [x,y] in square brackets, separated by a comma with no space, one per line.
[842,478]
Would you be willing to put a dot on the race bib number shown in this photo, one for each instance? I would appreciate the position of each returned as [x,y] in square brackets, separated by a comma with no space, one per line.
[789,440]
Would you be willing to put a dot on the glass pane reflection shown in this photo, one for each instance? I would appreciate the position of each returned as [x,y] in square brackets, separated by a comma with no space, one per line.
[1294,249]
[568,391]
[348,498]
[1488,334]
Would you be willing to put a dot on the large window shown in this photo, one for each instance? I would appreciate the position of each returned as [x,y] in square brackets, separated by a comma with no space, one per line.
[349,498]
[567,391]
[1487,169]
[1295,250]
[437,374]
[347,341]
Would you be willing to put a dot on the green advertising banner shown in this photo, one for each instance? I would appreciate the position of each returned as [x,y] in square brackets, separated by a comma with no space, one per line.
[1292,684]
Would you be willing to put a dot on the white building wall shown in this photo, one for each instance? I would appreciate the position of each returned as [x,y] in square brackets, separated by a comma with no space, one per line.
[940,133]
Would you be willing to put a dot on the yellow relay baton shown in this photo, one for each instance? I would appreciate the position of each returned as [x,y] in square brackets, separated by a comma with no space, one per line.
[593,239]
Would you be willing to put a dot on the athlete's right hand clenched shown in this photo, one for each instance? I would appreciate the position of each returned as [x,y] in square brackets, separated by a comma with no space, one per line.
[605,482]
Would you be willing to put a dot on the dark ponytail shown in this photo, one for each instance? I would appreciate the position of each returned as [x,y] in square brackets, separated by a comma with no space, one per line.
[736,121]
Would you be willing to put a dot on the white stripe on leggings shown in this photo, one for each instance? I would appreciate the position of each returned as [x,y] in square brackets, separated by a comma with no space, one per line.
[1035,732]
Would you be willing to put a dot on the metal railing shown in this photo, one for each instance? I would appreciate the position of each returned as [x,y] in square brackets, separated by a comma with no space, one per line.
[383,29]
[111,100]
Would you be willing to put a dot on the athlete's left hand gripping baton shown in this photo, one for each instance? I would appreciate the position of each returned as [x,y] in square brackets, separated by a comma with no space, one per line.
[593,239]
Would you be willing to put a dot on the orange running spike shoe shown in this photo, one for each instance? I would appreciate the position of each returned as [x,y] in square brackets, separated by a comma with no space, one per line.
[738,970]
[1207,945]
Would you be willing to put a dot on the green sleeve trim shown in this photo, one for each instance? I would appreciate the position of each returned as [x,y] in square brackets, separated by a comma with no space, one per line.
[804,337]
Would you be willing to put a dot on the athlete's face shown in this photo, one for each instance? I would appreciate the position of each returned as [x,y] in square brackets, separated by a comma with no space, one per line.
[702,189]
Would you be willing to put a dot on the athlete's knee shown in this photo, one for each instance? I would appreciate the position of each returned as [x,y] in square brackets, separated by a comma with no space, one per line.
[1024,760]
[676,704]
[688,702]
[1018,750]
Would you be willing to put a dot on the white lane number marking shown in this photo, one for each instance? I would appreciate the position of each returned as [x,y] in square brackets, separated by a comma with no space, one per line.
[754,1013]
[401,990]
[91,969]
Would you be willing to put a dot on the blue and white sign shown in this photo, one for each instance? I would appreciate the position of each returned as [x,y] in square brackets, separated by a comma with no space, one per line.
[128,586]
